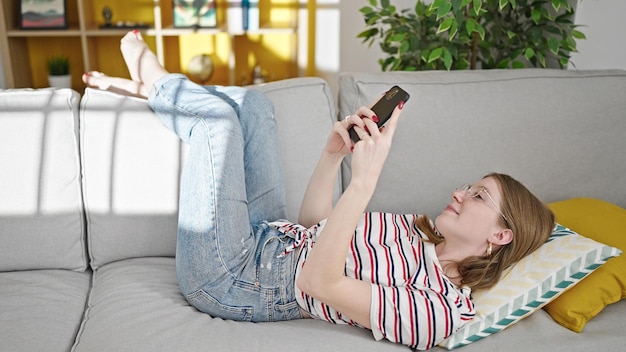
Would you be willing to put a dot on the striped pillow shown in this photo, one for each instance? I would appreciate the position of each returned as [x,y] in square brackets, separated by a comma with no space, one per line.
[536,280]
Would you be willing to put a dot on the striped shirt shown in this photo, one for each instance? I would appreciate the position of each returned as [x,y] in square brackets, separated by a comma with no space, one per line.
[413,302]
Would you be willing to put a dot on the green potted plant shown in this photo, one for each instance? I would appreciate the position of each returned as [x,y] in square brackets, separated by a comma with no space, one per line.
[471,34]
[59,71]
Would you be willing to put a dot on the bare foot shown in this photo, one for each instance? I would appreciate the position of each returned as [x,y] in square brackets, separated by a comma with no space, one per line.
[118,85]
[143,65]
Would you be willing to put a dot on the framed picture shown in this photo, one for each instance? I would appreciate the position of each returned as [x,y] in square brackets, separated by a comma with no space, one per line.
[194,13]
[42,14]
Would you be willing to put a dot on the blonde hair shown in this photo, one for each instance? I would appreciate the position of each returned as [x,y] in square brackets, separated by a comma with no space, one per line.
[530,220]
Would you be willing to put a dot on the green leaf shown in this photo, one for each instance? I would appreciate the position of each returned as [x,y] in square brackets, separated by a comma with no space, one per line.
[529,53]
[366,10]
[542,59]
[366,34]
[443,10]
[477,6]
[457,5]
[554,30]
[404,47]
[434,55]
[384,3]
[536,15]
[447,59]
[553,45]
[578,34]
[510,34]
[454,29]
[481,31]
[503,64]
[437,3]
[556,4]
[445,25]
[470,26]
[502,4]
[397,37]
[518,64]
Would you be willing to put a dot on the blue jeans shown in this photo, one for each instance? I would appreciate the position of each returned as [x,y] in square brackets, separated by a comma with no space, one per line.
[228,258]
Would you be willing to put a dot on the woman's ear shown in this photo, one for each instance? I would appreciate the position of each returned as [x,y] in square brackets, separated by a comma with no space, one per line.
[502,237]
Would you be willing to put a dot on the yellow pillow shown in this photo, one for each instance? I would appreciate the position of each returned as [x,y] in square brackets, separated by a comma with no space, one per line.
[603,222]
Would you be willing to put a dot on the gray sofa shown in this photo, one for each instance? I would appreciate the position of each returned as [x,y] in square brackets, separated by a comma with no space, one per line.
[88,200]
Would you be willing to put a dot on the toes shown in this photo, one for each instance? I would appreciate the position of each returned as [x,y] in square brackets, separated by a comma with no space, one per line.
[89,77]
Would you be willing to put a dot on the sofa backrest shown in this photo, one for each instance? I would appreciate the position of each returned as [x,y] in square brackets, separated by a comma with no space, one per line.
[560,132]
[131,165]
[41,212]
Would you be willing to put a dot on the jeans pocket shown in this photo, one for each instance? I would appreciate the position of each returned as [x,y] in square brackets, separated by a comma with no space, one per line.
[206,303]
[287,311]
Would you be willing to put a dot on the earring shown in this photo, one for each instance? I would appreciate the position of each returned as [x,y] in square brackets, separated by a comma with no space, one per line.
[489,249]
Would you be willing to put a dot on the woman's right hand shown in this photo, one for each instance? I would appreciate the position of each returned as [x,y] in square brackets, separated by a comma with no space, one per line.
[339,142]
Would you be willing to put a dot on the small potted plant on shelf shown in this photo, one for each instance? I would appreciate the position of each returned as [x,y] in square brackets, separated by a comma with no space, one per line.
[59,71]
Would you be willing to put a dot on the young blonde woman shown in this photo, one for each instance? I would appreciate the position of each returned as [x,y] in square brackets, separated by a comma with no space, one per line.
[405,278]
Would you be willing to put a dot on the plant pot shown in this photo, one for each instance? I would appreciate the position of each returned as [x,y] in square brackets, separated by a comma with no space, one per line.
[64,81]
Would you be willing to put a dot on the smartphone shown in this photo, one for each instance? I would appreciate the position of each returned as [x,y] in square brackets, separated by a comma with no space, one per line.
[384,107]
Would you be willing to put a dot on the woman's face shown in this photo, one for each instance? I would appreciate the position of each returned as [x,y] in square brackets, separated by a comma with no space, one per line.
[470,221]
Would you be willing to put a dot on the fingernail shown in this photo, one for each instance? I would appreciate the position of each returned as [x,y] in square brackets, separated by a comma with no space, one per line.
[375,118]
[366,130]
[401,104]
[135,31]
[351,149]
[87,74]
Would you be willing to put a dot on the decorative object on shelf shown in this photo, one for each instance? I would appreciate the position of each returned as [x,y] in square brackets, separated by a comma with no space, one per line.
[107,14]
[258,77]
[195,13]
[37,14]
[201,67]
[242,16]
[447,34]
[59,71]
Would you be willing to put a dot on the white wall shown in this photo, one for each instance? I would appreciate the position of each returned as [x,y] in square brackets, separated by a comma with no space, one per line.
[605,46]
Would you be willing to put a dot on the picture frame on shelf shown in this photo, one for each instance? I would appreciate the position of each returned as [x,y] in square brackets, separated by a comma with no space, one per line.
[36,14]
[194,13]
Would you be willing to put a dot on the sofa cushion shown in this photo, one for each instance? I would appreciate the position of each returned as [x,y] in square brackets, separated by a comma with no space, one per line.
[606,223]
[136,305]
[131,165]
[41,310]
[539,332]
[41,218]
[538,125]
